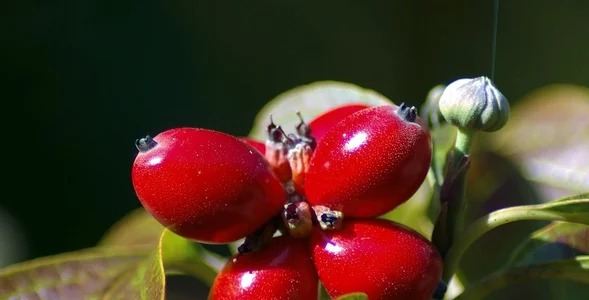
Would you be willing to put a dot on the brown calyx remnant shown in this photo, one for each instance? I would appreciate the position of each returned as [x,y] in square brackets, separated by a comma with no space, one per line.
[305,133]
[299,159]
[258,239]
[277,156]
[328,219]
[297,219]
[277,152]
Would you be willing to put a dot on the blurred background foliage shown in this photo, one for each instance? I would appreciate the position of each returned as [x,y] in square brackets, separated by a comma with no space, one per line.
[83,79]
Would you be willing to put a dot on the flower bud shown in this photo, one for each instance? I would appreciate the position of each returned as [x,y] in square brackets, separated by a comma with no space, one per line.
[430,111]
[474,104]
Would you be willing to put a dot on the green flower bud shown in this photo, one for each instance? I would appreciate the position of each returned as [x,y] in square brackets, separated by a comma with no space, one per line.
[435,93]
[430,111]
[474,104]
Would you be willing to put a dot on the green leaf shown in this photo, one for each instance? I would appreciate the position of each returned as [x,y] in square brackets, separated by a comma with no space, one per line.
[109,272]
[184,256]
[573,197]
[76,275]
[136,228]
[576,269]
[353,296]
[146,281]
[140,228]
[573,209]
[548,137]
[559,240]
[312,100]
[174,254]
[494,182]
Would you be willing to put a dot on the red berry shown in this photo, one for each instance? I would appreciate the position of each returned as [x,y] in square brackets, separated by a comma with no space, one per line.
[381,258]
[370,162]
[324,122]
[282,270]
[205,185]
[258,145]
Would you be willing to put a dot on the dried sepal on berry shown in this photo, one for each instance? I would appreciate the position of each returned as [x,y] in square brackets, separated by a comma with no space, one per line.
[277,152]
[328,219]
[299,159]
[305,132]
[297,219]
[258,239]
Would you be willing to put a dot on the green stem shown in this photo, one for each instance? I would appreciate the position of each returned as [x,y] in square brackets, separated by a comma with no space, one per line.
[457,216]
[464,140]
[456,213]
[485,224]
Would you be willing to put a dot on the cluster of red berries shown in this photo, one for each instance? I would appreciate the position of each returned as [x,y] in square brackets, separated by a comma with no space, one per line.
[357,161]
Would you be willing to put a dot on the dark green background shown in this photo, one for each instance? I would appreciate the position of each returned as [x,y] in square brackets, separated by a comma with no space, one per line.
[82,79]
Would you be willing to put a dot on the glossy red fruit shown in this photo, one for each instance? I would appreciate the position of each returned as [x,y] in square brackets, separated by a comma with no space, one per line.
[205,185]
[370,162]
[282,270]
[324,122]
[378,257]
[258,145]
